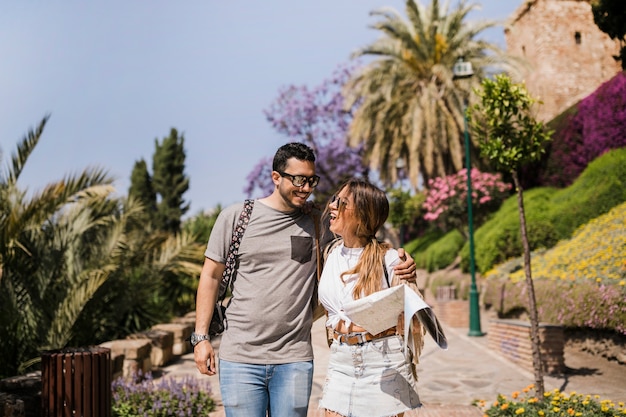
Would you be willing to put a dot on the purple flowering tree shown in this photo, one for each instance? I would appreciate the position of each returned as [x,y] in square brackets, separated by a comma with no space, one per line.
[446,199]
[315,116]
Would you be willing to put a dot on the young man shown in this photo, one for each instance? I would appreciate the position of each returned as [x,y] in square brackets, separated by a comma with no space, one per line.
[266,356]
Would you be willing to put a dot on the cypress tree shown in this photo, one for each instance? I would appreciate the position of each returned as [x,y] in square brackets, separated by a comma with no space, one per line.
[170,182]
[142,190]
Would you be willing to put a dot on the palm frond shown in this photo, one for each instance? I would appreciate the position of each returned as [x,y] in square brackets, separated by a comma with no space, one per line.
[24,149]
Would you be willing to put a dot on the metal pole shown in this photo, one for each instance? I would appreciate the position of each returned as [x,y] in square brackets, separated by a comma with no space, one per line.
[400,171]
[474,324]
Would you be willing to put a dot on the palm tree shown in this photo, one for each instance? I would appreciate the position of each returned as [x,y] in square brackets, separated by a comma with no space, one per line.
[41,248]
[75,268]
[409,106]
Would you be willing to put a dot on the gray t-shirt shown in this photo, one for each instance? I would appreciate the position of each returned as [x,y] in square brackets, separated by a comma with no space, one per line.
[270,316]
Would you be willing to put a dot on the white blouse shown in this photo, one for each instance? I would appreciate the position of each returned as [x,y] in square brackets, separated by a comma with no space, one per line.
[334,291]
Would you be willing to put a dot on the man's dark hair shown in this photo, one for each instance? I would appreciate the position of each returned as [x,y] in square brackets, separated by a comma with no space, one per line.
[297,150]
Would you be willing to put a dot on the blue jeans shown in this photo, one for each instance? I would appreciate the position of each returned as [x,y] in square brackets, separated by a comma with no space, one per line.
[250,390]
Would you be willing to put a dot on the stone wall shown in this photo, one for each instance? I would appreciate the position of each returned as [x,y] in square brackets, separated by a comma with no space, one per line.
[448,309]
[511,339]
[569,56]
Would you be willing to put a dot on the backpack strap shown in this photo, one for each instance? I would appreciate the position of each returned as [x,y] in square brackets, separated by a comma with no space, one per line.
[316,221]
[233,249]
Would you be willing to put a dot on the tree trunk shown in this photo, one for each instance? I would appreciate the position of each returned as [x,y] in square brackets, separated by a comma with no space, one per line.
[532,303]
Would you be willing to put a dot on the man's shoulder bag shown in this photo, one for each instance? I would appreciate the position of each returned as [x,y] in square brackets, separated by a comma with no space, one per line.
[218,321]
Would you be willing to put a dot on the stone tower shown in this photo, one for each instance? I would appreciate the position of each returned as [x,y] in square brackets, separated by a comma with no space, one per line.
[569,56]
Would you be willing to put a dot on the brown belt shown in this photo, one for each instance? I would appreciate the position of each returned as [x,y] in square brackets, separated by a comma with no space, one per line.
[359,338]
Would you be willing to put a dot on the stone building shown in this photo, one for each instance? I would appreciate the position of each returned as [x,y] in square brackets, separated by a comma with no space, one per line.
[569,56]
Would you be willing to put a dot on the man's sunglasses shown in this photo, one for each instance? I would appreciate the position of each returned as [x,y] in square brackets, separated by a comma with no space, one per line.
[300,180]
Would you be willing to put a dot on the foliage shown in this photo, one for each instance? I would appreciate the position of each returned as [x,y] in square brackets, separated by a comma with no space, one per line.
[596,125]
[142,190]
[609,16]
[446,199]
[169,181]
[409,106]
[416,246]
[552,215]
[155,279]
[498,239]
[76,269]
[440,253]
[167,397]
[597,190]
[551,404]
[314,116]
[201,224]
[581,281]
[406,212]
[570,304]
[509,135]
[596,251]
[56,251]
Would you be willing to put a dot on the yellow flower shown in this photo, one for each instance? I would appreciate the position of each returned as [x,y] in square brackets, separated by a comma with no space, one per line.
[519,411]
[556,409]
[541,413]
[532,400]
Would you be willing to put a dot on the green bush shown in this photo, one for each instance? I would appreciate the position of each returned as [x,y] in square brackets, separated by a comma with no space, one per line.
[551,214]
[418,246]
[599,188]
[434,251]
[443,252]
[499,238]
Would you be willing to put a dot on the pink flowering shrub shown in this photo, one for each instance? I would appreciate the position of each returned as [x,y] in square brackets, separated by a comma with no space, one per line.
[446,199]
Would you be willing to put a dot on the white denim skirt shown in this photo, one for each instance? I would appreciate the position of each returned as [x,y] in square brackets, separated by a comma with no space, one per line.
[369,380]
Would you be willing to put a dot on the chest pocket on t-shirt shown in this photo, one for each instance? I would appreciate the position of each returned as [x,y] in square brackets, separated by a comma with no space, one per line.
[301,248]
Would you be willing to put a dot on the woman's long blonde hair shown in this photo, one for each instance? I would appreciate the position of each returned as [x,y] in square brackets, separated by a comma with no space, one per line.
[371,209]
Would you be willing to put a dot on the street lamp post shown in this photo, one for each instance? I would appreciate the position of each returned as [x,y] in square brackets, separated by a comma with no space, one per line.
[463,69]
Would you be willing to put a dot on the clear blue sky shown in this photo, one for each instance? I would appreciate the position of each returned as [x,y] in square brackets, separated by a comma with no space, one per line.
[116,75]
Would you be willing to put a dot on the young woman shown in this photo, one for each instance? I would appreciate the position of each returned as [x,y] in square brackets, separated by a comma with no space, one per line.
[368,375]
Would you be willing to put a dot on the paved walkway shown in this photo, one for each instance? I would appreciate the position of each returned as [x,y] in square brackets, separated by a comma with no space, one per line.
[450,380]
